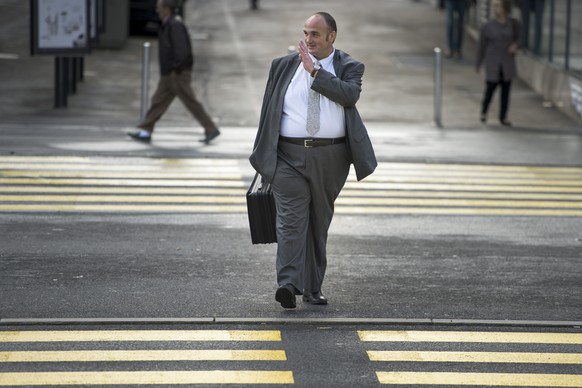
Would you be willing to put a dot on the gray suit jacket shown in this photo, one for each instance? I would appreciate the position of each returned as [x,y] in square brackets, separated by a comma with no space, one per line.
[344,89]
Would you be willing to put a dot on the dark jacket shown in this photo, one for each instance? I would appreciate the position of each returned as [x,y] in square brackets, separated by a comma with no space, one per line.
[175,50]
[493,50]
[343,89]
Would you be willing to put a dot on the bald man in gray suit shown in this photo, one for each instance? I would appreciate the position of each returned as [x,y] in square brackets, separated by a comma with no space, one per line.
[309,134]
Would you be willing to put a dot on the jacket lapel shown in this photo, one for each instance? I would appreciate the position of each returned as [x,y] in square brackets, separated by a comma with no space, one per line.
[337,66]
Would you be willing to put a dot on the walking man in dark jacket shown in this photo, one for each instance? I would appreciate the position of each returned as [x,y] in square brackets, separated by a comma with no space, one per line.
[176,62]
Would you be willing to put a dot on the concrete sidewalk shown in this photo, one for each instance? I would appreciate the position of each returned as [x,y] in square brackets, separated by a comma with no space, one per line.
[234,46]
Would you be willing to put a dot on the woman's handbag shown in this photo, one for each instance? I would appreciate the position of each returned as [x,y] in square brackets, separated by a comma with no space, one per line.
[262,212]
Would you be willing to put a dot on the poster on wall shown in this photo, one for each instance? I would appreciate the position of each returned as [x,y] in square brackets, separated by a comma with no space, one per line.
[60,27]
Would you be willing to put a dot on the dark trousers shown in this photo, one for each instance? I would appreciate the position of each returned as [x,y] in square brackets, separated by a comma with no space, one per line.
[170,87]
[455,24]
[306,184]
[490,90]
[537,7]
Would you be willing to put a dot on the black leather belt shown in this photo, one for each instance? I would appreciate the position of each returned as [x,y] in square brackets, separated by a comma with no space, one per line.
[309,142]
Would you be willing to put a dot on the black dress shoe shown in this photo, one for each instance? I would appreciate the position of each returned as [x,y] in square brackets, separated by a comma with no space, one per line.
[505,123]
[137,135]
[210,136]
[314,298]
[286,296]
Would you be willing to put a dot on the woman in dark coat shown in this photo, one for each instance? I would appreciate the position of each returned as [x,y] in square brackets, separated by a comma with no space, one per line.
[497,48]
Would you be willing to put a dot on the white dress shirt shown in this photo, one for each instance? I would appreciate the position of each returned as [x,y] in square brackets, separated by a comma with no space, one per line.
[294,121]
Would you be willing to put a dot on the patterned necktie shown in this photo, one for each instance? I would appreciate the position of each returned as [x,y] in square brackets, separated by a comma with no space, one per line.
[313,111]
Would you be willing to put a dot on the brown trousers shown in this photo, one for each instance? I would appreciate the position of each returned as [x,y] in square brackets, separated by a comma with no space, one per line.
[172,86]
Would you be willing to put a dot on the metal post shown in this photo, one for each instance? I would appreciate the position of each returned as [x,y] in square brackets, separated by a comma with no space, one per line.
[61,82]
[552,26]
[438,87]
[568,32]
[145,79]
[72,76]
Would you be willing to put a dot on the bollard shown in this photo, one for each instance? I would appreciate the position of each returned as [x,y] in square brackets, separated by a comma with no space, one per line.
[145,79]
[438,87]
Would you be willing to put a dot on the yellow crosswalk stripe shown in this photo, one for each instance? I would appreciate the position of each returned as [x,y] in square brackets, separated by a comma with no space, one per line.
[481,379]
[124,182]
[461,187]
[188,174]
[469,336]
[456,378]
[128,190]
[146,377]
[139,335]
[142,355]
[101,208]
[123,198]
[489,357]
[27,359]
[16,159]
[102,184]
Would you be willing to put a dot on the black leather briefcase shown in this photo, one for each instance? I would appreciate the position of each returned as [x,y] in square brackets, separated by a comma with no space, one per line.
[262,212]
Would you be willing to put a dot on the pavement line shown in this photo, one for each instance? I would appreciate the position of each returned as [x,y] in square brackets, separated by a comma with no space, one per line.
[488,379]
[351,185]
[342,201]
[388,166]
[146,377]
[383,167]
[118,167]
[142,355]
[509,187]
[188,174]
[104,208]
[229,191]
[177,199]
[473,337]
[125,182]
[101,208]
[437,194]
[454,202]
[227,175]
[456,211]
[80,160]
[222,168]
[551,174]
[289,320]
[9,56]
[134,190]
[477,357]
[372,188]
[139,335]
[476,181]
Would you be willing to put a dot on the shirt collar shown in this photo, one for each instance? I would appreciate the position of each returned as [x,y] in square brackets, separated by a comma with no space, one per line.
[325,61]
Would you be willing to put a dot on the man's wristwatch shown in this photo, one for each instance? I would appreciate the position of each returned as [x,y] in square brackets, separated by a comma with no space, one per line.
[315,70]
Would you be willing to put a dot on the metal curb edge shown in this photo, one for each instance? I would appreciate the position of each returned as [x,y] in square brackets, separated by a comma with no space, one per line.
[286,320]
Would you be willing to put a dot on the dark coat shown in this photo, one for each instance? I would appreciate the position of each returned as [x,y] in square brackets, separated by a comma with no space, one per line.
[344,89]
[175,50]
[494,42]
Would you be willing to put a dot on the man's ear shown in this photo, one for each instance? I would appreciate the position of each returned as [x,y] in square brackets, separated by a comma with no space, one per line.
[331,36]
